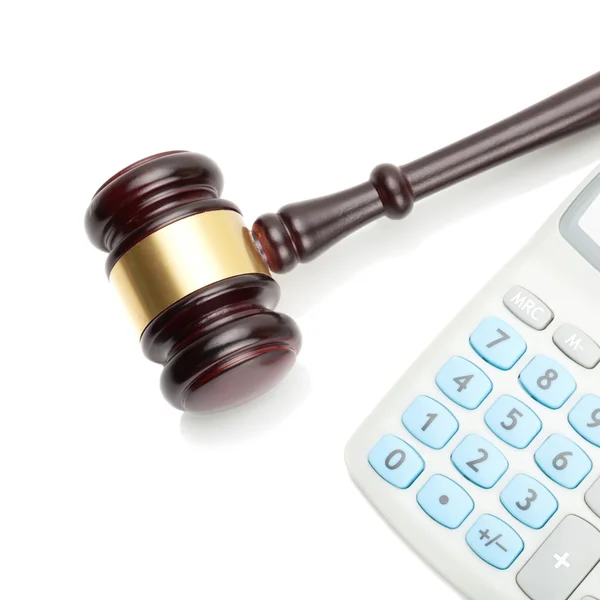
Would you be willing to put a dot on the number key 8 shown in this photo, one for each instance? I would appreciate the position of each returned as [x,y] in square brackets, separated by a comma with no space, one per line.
[547,382]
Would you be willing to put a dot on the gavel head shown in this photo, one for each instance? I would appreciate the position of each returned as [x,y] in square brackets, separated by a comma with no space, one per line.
[198,289]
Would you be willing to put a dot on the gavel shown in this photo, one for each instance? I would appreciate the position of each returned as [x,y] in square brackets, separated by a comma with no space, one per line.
[198,283]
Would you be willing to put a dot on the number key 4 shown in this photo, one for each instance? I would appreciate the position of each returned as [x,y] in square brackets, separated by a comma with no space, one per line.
[464,383]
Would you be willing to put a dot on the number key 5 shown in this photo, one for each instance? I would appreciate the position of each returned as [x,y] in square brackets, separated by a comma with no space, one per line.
[547,382]
[513,422]
[563,461]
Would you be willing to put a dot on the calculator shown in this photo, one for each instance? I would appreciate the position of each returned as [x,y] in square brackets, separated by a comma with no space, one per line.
[485,455]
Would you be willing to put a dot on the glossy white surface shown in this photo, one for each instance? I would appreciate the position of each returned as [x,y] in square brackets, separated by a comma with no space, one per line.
[107,492]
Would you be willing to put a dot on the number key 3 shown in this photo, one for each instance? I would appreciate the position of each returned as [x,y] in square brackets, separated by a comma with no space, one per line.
[585,419]
[480,461]
[527,500]
[547,382]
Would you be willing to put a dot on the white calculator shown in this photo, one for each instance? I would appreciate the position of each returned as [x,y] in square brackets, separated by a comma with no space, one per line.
[485,456]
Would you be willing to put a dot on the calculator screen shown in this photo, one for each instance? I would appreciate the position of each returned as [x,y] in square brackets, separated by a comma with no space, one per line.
[590,221]
[580,225]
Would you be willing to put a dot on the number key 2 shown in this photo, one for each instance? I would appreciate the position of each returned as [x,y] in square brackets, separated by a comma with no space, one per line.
[480,461]
[547,382]
[513,422]
[563,461]
[464,383]
[585,419]
[498,343]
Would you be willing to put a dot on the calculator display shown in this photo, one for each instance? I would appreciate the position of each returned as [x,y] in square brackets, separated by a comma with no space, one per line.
[580,225]
[590,221]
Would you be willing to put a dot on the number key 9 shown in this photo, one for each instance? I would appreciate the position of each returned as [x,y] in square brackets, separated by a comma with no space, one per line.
[585,419]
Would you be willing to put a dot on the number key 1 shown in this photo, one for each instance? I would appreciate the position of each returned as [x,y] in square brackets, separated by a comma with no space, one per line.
[513,422]
[430,422]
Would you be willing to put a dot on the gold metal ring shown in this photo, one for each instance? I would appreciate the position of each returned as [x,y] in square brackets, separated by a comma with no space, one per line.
[181,258]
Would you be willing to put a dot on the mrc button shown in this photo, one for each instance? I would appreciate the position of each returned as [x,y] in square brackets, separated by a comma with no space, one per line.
[528,308]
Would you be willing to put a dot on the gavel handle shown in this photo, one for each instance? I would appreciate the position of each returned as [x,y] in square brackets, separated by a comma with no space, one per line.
[301,231]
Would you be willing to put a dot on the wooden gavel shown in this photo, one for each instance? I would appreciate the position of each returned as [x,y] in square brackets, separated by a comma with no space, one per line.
[198,283]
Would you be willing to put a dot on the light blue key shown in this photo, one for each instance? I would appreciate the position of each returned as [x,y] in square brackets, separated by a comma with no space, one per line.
[528,501]
[396,461]
[445,501]
[563,461]
[513,422]
[498,343]
[430,422]
[495,542]
[464,383]
[480,461]
[547,382]
[585,419]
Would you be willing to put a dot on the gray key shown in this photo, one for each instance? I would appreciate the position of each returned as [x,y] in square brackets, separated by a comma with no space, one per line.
[529,308]
[593,497]
[577,346]
[563,561]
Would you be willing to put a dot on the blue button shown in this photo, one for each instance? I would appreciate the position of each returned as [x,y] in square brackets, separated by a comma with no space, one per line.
[498,343]
[464,383]
[445,501]
[547,382]
[513,422]
[585,419]
[563,461]
[528,501]
[396,461]
[495,542]
[430,422]
[480,461]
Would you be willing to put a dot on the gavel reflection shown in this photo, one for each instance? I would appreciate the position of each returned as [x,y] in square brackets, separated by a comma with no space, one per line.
[198,283]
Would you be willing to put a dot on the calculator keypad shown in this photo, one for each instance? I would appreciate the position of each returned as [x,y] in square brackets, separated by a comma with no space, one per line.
[528,501]
[563,461]
[547,382]
[585,419]
[513,422]
[495,542]
[498,343]
[430,422]
[445,501]
[396,461]
[480,461]
[464,383]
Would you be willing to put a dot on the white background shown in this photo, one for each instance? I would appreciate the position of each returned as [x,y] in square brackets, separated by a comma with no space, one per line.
[105,490]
